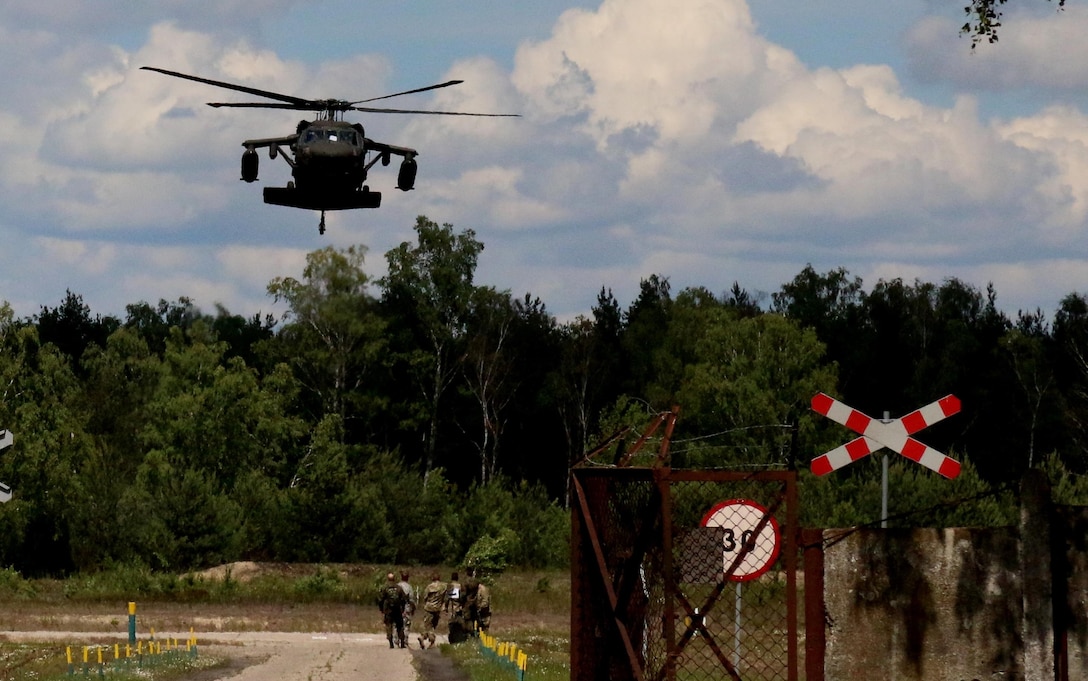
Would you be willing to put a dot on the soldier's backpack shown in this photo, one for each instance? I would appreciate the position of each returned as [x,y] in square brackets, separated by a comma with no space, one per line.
[393,597]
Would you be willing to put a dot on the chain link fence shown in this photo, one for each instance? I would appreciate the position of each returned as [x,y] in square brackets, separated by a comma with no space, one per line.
[684,575]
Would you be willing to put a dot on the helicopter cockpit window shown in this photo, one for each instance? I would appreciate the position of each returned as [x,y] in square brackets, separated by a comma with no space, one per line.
[346,136]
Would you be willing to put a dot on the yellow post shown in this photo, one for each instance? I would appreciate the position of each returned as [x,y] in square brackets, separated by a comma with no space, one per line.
[523,664]
[131,621]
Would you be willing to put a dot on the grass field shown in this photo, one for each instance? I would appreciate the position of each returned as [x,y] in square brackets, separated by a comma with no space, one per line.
[531,610]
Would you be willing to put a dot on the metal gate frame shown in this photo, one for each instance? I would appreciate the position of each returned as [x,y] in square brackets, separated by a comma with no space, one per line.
[611,590]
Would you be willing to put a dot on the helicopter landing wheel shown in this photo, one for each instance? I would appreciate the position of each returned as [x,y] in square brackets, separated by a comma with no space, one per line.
[321,225]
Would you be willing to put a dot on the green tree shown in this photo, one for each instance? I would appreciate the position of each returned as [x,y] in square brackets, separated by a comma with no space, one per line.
[216,415]
[832,305]
[1027,353]
[645,323]
[72,329]
[1070,352]
[177,517]
[533,428]
[336,514]
[121,380]
[690,315]
[574,387]
[52,452]
[488,370]
[333,338]
[428,290]
[984,18]
[747,392]
[154,323]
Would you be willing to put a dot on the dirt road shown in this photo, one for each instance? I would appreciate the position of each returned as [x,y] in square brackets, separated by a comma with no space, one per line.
[282,656]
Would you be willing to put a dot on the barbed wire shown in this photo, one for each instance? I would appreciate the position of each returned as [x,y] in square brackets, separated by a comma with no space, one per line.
[951,503]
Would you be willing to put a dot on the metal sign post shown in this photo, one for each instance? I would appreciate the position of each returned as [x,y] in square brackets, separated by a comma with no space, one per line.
[750,546]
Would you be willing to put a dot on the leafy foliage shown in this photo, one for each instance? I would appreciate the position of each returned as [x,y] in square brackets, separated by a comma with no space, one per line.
[984,18]
[422,418]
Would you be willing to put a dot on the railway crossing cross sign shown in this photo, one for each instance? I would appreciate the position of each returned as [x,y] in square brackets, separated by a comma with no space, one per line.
[6,440]
[894,434]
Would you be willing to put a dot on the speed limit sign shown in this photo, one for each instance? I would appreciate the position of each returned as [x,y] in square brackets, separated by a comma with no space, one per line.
[744,532]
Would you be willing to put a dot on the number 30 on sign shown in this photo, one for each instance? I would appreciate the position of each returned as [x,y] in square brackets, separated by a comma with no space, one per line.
[742,522]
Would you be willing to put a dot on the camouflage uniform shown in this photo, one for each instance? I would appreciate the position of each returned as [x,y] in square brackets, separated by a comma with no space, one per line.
[434,597]
[409,605]
[483,608]
[452,602]
[468,600]
[391,603]
[454,608]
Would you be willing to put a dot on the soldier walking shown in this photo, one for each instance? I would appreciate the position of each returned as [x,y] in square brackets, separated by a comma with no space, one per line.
[391,601]
[434,598]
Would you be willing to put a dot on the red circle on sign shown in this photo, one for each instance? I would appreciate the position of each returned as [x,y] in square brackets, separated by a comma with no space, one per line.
[740,518]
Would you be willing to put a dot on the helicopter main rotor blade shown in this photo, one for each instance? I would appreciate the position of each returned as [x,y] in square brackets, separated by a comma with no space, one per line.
[305,106]
[329,105]
[410,92]
[367,109]
[297,101]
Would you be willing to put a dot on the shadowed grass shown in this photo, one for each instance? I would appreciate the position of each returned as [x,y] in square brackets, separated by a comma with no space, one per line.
[46,661]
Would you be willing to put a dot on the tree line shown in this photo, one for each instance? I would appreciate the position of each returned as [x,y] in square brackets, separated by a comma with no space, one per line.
[420,416]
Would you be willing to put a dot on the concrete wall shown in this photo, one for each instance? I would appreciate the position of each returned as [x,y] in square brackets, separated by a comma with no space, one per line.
[923,604]
[1071,587]
[960,604]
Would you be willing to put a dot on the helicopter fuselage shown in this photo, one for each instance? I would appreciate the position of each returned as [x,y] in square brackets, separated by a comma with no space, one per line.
[329,157]
[329,161]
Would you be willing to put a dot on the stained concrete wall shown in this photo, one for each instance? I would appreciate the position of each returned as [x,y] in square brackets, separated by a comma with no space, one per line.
[960,604]
[1071,589]
[923,604]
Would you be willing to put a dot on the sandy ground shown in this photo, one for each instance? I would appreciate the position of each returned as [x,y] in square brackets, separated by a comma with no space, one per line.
[283,656]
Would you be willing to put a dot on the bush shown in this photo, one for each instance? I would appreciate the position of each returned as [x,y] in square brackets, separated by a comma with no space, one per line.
[324,582]
[13,585]
[490,555]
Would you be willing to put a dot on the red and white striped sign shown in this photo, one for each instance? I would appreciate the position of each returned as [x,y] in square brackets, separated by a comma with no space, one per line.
[6,440]
[895,435]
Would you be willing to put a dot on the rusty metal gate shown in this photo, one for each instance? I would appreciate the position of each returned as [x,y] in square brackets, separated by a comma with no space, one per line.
[655,591]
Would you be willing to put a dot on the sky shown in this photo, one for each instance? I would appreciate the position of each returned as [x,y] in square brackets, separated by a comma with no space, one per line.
[705,141]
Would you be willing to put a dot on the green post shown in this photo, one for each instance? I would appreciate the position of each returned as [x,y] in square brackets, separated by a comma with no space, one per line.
[132,622]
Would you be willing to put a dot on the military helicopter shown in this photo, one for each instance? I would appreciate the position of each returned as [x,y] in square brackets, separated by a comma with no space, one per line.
[329,157]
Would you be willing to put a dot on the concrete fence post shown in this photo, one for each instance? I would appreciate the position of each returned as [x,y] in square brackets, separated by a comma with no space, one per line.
[1037,586]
